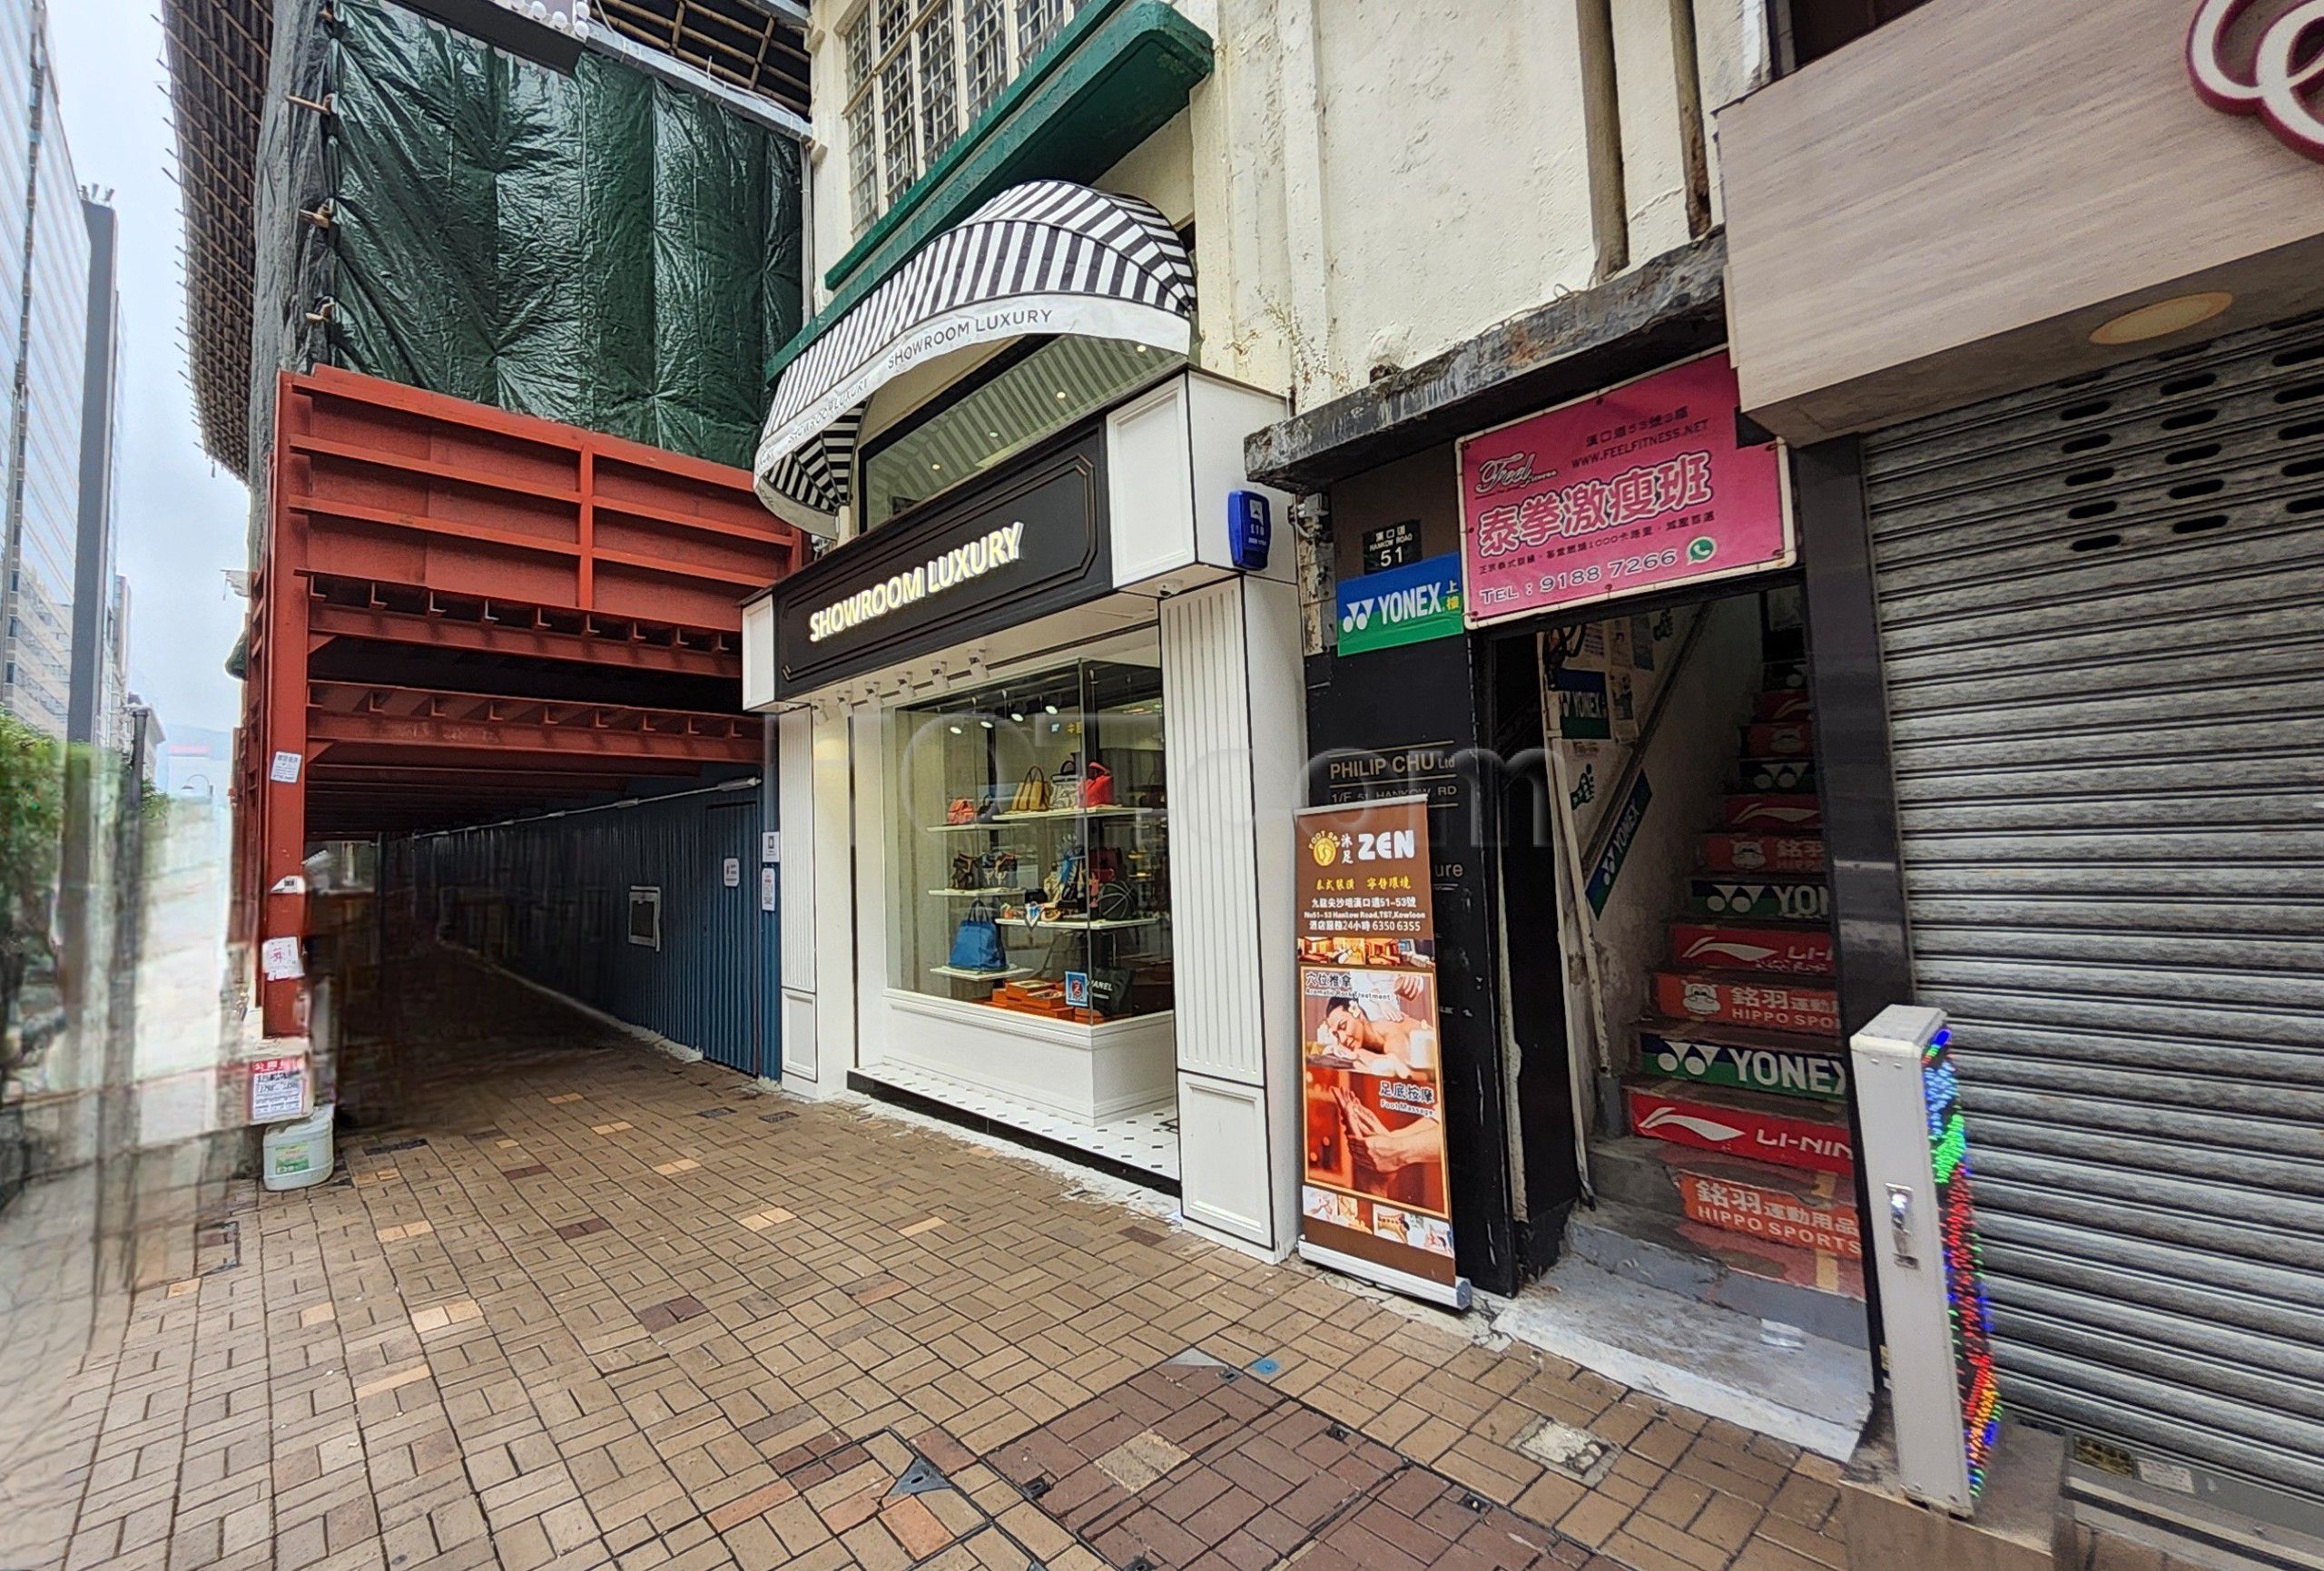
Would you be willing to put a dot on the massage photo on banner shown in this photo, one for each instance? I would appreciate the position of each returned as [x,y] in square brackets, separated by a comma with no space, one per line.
[1374,1114]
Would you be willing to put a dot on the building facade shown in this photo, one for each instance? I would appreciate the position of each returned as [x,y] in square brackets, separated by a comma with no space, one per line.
[1657,513]
[99,680]
[45,285]
[1329,255]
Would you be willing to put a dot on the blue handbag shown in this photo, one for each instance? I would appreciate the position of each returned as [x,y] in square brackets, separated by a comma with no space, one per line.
[977,945]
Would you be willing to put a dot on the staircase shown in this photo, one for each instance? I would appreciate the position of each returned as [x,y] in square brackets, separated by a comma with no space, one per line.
[1735,1184]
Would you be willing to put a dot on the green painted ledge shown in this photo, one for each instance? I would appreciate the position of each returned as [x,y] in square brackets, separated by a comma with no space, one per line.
[1117,74]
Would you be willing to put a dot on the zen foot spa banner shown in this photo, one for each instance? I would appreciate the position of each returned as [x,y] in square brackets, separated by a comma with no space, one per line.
[1372,1201]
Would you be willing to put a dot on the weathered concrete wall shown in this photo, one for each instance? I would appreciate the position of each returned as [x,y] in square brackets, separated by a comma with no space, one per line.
[1374,181]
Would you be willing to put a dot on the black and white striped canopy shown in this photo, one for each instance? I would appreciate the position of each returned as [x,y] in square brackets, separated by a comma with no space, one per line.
[1047,257]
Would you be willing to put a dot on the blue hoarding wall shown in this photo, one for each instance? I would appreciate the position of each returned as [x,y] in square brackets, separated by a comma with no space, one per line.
[649,910]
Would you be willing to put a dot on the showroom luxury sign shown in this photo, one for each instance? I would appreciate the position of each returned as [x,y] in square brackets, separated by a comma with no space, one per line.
[961,565]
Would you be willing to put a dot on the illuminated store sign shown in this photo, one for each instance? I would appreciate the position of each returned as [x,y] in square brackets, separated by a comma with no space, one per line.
[961,565]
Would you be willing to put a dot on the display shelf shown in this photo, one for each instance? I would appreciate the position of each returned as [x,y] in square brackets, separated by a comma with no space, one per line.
[1053,816]
[1071,815]
[1010,974]
[992,894]
[1080,924]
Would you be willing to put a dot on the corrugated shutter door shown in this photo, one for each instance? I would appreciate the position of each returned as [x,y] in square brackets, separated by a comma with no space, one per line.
[2102,620]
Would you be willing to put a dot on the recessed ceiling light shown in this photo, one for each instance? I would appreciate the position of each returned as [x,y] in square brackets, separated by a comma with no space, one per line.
[1018,718]
[956,730]
[986,723]
[2163,318]
[1060,396]
[1051,708]
[939,468]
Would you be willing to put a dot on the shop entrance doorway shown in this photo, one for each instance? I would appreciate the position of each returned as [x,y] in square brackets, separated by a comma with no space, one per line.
[1716,1255]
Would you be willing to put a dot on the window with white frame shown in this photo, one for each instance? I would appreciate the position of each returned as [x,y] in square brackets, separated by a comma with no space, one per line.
[920,72]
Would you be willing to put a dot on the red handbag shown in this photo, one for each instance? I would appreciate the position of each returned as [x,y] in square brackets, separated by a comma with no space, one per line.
[1097,787]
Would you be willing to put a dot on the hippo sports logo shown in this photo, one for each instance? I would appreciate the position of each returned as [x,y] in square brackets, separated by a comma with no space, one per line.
[2280,78]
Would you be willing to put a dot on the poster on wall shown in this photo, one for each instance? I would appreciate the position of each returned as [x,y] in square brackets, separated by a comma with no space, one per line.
[1373,1200]
[1645,487]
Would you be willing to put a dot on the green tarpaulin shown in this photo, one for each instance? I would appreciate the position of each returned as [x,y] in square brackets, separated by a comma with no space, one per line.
[604,249]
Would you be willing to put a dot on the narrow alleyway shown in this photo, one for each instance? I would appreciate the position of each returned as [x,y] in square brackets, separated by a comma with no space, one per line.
[583,1306]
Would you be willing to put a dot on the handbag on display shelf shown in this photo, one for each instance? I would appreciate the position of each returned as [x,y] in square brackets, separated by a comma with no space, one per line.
[1033,793]
[962,811]
[1115,902]
[1109,991]
[1097,788]
[1068,780]
[967,873]
[977,944]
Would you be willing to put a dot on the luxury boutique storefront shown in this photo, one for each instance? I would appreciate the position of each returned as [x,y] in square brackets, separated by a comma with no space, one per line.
[1031,738]
[1040,734]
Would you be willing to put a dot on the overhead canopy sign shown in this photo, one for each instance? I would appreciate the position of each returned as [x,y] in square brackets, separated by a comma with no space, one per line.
[1047,257]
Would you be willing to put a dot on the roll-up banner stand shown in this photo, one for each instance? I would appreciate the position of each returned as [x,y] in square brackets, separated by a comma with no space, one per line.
[1372,1199]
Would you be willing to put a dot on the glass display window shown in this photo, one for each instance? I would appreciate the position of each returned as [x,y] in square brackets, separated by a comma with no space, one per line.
[1030,846]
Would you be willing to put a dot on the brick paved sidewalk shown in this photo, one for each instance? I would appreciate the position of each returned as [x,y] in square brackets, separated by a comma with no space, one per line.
[585,1307]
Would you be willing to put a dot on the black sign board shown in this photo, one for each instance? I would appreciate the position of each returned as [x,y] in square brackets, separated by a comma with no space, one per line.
[1391,545]
[1028,542]
[548,39]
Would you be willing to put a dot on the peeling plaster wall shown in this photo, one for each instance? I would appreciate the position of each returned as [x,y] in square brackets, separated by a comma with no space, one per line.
[1377,181]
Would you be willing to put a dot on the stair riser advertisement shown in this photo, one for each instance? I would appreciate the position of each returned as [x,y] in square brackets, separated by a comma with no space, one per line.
[1764,854]
[1769,1214]
[1771,812]
[1782,949]
[1818,1144]
[1786,902]
[1763,1008]
[1744,1068]
[1372,1201]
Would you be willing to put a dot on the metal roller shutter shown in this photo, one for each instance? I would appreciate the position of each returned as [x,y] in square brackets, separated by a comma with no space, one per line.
[2102,622]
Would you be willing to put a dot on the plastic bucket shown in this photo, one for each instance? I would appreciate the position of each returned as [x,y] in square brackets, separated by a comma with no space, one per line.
[299,1154]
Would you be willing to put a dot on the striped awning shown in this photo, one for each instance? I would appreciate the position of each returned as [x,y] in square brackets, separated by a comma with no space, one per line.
[1044,258]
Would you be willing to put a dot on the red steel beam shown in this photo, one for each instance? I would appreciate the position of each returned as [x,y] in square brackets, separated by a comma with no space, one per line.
[417,487]
[429,719]
[327,622]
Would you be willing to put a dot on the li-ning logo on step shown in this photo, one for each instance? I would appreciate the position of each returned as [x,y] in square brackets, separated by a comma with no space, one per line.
[1749,954]
[1780,815]
[1702,1128]
[2281,84]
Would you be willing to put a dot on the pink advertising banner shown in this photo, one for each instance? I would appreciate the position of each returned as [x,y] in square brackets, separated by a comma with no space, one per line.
[1640,489]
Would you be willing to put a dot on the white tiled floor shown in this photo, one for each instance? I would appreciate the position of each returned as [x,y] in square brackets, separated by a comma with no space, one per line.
[1146,1141]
